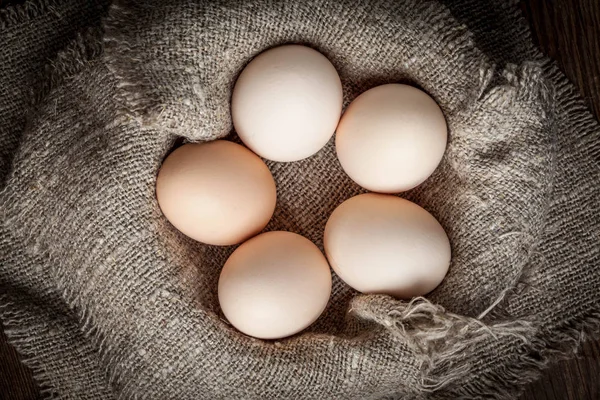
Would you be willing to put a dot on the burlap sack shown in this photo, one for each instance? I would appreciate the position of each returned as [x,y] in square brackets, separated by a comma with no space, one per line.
[128,305]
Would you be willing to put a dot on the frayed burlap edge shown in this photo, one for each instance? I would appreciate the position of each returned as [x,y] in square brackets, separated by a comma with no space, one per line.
[19,13]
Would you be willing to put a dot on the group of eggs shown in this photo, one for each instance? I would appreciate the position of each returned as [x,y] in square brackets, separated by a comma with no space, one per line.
[286,105]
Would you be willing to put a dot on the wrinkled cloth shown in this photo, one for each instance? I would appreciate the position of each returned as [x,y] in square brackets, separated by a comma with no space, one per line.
[105,299]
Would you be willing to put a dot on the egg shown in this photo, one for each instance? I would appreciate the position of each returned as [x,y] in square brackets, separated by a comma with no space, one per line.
[379,243]
[274,285]
[287,103]
[391,138]
[218,192]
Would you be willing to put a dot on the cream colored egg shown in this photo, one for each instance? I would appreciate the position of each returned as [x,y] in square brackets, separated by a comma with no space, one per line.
[391,138]
[287,103]
[274,285]
[384,244]
[217,192]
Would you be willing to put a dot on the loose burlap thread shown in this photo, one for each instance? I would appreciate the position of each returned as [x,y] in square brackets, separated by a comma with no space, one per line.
[127,305]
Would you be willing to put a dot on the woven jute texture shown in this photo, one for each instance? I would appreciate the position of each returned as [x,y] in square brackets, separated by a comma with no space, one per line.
[105,299]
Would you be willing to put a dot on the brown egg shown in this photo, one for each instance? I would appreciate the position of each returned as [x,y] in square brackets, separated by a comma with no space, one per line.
[274,285]
[217,192]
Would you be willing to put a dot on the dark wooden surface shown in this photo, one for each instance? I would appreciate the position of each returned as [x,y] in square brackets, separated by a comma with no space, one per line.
[16,381]
[569,32]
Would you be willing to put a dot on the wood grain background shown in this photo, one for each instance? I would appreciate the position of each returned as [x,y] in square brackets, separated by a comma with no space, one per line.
[569,32]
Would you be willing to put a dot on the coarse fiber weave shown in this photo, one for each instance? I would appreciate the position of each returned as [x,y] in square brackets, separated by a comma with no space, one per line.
[105,299]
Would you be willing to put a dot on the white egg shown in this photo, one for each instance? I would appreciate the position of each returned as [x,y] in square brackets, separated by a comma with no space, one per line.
[274,285]
[287,103]
[391,138]
[383,244]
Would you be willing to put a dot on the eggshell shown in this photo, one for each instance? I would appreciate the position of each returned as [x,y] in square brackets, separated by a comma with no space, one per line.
[287,103]
[274,285]
[391,138]
[217,192]
[384,244]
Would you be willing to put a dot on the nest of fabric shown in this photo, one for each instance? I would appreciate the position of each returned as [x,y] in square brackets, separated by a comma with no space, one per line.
[85,246]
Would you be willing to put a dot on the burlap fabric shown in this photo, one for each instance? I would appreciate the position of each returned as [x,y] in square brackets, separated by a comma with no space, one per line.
[107,300]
